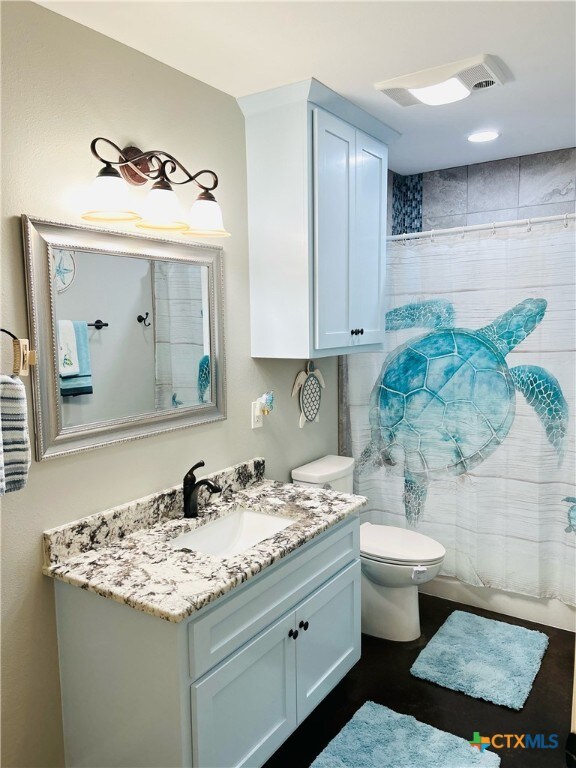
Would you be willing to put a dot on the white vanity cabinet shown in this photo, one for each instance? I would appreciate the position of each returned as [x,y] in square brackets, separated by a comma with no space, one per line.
[224,688]
[251,703]
[317,188]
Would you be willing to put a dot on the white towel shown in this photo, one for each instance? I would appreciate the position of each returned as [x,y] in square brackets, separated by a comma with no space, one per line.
[68,364]
[15,439]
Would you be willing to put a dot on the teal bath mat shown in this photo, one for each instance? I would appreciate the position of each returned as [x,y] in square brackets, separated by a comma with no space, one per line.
[377,737]
[483,658]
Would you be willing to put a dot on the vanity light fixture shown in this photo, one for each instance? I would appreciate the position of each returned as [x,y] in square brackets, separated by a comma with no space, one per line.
[161,209]
[482,136]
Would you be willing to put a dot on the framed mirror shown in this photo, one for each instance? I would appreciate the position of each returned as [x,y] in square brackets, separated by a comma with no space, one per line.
[129,333]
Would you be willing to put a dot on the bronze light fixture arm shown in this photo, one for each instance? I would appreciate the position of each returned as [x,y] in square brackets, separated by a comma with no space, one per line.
[138,167]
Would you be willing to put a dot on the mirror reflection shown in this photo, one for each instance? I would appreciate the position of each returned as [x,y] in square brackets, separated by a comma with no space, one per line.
[133,335]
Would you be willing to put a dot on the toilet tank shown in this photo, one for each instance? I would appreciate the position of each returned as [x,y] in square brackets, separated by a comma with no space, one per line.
[335,472]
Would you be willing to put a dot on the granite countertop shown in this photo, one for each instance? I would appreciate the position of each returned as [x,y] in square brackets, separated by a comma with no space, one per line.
[125,554]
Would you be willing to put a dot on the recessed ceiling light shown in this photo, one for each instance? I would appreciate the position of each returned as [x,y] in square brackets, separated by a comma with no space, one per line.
[481,136]
[441,93]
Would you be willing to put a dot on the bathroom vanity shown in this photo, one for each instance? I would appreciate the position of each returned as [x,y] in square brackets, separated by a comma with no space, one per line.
[224,655]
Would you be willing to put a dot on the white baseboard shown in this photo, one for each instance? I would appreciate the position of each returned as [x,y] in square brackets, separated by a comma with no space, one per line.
[550,612]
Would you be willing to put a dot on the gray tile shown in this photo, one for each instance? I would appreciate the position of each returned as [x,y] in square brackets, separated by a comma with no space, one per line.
[443,222]
[552,209]
[487,217]
[493,186]
[389,204]
[445,192]
[549,177]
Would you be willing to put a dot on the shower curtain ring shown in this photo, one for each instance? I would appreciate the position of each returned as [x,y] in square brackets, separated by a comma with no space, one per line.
[493,227]
[529,225]
[566,222]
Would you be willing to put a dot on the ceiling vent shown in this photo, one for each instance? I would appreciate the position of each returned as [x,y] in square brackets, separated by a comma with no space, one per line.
[475,74]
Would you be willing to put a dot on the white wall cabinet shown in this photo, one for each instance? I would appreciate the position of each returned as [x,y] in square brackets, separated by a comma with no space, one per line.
[223,689]
[317,184]
[349,212]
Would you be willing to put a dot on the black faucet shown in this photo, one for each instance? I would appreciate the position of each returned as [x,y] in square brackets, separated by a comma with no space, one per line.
[190,489]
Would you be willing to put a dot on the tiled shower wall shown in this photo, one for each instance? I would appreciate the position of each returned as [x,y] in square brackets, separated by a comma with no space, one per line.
[502,190]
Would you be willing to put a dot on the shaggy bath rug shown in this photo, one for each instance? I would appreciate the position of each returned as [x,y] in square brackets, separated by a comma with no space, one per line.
[377,737]
[483,658]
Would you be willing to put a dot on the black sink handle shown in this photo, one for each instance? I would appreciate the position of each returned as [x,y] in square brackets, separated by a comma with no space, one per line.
[190,476]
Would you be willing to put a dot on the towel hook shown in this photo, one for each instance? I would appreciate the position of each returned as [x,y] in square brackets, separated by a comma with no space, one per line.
[24,357]
[143,318]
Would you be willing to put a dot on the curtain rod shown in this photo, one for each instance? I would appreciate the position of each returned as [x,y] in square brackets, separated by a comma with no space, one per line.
[479,227]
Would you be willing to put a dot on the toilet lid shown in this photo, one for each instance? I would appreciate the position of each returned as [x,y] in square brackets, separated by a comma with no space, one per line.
[399,545]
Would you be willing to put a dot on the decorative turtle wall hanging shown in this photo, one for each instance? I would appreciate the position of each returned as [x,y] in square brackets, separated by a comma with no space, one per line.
[310,383]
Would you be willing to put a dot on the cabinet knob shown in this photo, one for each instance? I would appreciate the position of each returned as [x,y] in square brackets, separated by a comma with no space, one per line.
[293,634]
[304,625]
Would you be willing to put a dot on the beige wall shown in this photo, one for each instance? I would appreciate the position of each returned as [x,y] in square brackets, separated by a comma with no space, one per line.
[62,86]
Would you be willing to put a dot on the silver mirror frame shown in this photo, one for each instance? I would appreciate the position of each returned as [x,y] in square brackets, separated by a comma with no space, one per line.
[51,438]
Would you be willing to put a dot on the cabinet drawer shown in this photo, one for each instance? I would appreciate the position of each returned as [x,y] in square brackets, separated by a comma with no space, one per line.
[230,624]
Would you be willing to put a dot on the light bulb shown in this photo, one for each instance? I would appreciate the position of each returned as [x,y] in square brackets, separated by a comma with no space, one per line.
[161,210]
[205,219]
[108,199]
[441,93]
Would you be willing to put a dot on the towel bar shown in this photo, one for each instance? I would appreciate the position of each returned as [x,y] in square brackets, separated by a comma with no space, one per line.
[98,324]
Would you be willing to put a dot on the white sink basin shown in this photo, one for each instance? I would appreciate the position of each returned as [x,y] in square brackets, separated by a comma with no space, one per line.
[232,534]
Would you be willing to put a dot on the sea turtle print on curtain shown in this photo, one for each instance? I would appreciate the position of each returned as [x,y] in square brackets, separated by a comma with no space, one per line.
[445,400]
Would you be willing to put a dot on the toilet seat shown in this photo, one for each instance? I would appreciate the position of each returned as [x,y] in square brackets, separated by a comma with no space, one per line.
[398,546]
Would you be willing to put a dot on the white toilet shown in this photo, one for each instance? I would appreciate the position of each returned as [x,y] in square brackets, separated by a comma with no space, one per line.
[394,560]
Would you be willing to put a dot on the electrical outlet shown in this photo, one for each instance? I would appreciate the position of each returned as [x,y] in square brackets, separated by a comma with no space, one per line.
[257,417]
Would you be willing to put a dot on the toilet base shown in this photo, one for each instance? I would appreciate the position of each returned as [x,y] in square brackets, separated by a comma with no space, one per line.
[390,613]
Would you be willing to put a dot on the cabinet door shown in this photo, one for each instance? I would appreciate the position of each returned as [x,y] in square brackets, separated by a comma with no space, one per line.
[246,708]
[333,180]
[368,256]
[328,642]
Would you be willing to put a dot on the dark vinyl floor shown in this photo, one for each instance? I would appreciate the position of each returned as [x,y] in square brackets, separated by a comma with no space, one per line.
[382,675]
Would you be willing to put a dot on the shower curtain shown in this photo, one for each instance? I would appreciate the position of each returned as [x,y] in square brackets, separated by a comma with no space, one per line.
[179,333]
[464,427]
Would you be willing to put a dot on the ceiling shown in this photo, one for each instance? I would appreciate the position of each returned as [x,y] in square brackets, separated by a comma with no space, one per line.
[245,47]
